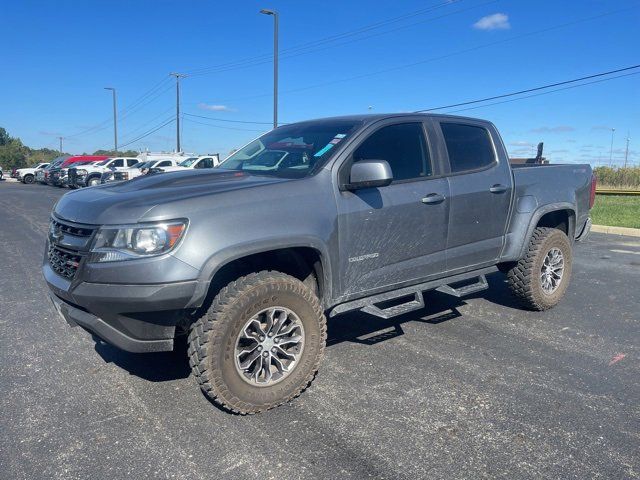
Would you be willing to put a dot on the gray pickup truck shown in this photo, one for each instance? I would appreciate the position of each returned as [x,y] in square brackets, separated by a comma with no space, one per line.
[310,220]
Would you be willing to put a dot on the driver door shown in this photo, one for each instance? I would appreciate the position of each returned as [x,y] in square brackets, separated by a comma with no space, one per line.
[393,235]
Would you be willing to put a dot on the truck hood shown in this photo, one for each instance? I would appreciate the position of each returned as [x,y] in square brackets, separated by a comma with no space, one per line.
[127,202]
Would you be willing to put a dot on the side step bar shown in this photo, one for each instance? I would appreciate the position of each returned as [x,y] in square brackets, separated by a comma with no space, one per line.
[369,304]
[480,285]
[416,304]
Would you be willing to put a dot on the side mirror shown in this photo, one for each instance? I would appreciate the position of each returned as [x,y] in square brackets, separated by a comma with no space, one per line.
[369,174]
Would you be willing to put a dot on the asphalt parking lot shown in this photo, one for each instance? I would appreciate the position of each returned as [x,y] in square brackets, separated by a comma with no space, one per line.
[462,389]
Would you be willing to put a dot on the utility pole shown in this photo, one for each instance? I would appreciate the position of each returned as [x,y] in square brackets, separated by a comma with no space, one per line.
[275,63]
[60,138]
[626,152]
[115,122]
[611,150]
[178,76]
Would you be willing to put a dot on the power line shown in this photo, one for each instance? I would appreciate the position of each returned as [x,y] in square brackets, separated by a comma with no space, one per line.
[225,127]
[441,57]
[290,55]
[543,87]
[226,119]
[267,57]
[146,134]
[547,93]
[125,112]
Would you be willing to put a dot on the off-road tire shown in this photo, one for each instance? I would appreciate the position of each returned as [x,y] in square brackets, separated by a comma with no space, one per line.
[212,341]
[524,277]
[28,179]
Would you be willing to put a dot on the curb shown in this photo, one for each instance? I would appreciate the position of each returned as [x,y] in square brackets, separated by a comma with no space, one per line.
[631,232]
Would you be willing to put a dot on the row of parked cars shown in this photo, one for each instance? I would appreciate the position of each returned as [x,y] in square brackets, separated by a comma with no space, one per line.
[90,170]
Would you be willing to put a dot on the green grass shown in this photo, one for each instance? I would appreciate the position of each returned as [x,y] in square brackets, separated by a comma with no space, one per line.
[617,211]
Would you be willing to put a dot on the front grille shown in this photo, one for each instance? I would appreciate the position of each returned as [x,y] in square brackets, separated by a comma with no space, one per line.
[121,175]
[63,263]
[69,243]
[70,229]
[73,176]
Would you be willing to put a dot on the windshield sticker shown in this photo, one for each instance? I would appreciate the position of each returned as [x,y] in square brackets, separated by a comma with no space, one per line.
[340,135]
[324,150]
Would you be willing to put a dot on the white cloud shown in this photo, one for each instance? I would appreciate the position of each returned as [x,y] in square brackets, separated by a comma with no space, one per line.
[214,108]
[497,21]
[521,144]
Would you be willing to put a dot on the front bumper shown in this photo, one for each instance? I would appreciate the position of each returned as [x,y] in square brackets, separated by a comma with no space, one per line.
[135,318]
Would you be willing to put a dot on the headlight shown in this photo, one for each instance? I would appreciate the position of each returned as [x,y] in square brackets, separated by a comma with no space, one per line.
[128,242]
[81,171]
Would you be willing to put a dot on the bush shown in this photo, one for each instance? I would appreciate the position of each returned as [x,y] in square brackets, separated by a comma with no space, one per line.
[618,177]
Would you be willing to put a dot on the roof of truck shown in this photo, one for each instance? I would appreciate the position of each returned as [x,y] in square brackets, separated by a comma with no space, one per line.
[374,117]
[83,158]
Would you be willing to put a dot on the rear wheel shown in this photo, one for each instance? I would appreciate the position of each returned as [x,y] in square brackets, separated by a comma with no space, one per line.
[260,343]
[28,179]
[540,279]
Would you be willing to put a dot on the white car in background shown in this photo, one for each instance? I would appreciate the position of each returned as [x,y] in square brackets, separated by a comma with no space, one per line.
[141,168]
[28,175]
[90,175]
[205,161]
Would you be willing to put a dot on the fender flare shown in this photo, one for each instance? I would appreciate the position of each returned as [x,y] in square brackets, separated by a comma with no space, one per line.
[543,210]
[225,256]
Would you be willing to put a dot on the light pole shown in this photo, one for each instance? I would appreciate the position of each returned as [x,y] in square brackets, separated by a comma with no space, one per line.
[611,149]
[178,76]
[275,63]
[115,121]
[60,138]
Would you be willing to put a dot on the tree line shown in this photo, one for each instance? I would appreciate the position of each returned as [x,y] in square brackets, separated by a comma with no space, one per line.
[618,177]
[14,154]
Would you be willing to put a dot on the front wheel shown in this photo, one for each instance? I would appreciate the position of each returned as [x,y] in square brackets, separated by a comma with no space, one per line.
[540,279]
[93,181]
[260,343]
[28,179]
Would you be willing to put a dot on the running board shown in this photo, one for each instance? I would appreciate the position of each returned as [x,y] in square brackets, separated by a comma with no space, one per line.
[368,304]
[416,304]
[480,285]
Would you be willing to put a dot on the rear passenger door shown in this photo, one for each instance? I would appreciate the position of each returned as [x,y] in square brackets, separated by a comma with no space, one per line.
[480,187]
[395,234]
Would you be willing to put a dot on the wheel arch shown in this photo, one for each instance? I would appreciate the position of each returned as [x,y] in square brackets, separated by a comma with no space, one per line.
[300,259]
[557,215]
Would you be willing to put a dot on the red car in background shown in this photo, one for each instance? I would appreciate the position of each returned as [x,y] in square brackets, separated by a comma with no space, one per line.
[58,176]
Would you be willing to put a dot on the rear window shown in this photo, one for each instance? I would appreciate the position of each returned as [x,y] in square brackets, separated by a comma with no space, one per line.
[469,147]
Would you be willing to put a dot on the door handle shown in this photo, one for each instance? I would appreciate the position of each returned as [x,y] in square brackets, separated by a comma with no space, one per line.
[433,198]
[497,188]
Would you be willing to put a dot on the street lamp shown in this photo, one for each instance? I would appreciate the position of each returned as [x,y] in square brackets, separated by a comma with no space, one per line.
[115,122]
[275,63]
[611,150]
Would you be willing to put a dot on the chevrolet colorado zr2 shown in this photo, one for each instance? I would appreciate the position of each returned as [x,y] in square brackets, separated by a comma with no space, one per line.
[309,221]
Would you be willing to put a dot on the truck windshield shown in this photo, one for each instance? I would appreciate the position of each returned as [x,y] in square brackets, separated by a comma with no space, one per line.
[292,151]
[188,162]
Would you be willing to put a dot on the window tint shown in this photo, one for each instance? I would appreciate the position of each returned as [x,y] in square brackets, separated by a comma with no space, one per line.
[403,146]
[205,163]
[165,163]
[118,163]
[469,147]
[131,162]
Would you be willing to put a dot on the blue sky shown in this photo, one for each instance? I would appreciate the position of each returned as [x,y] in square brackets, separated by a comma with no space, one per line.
[336,58]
